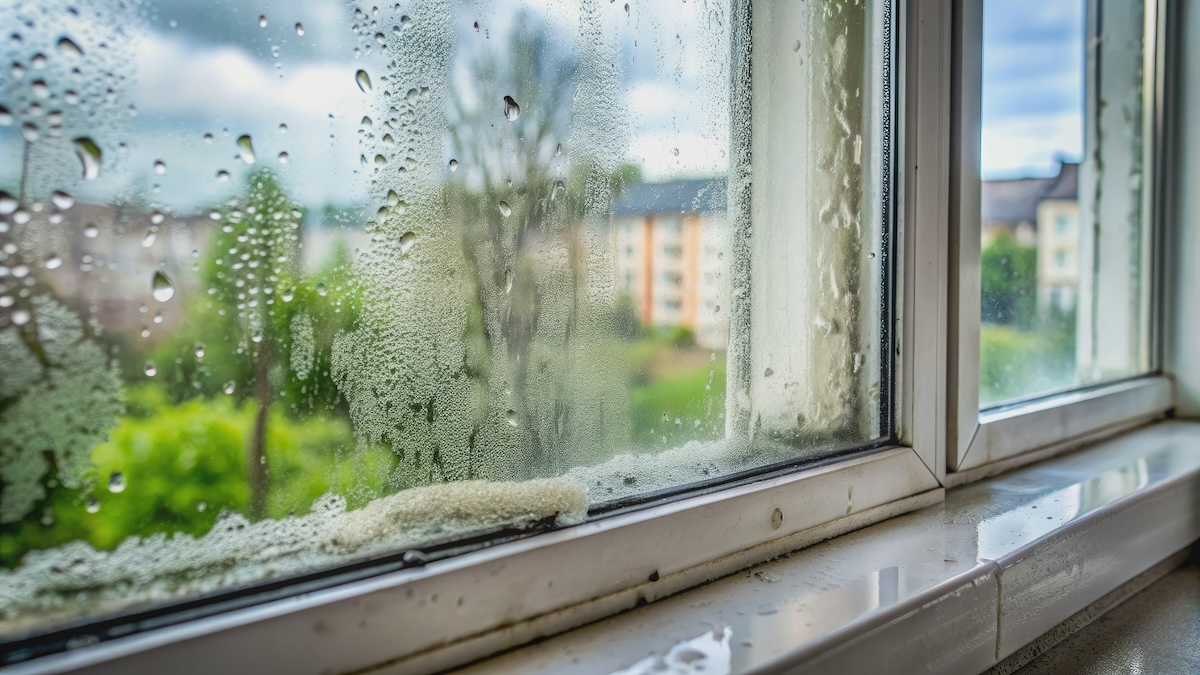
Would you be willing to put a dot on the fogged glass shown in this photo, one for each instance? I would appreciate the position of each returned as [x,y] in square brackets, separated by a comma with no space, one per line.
[1064,253]
[286,286]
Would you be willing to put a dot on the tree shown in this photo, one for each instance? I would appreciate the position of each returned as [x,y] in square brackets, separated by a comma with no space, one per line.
[262,329]
[1009,282]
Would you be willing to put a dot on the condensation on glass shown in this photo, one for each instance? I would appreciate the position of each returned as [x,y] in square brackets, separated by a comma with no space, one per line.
[283,287]
[1065,232]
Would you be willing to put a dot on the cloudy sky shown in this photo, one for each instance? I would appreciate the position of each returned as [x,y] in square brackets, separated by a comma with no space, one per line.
[1032,85]
[210,67]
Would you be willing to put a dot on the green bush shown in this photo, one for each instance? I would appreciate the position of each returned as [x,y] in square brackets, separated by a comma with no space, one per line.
[1015,363]
[182,464]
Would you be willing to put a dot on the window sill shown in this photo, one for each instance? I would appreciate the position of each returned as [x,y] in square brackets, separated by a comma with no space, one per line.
[955,587]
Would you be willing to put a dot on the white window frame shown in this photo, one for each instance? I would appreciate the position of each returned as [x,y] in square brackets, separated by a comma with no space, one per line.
[1001,437]
[467,606]
[455,610]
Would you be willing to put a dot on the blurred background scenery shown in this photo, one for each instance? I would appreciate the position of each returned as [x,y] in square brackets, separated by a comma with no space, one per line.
[253,255]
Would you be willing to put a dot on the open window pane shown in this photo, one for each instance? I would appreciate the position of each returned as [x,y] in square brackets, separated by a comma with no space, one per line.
[1064,257]
[286,287]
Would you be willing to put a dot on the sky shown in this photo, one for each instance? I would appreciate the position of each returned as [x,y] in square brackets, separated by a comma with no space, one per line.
[200,67]
[1032,86]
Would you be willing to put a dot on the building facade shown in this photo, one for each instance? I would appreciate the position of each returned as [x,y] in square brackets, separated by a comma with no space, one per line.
[670,241]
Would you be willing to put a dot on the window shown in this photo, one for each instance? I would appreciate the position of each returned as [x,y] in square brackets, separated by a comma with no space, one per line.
[489,310]
[1062,124]
[1054,328]
[1062,225]
[253,334]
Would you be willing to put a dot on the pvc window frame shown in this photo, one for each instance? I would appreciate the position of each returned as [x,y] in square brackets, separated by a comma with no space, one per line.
[1000,436]
[462,608]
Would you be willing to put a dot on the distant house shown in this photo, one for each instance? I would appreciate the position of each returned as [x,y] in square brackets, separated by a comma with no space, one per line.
[670,241]
[1058,241]
[1041,212]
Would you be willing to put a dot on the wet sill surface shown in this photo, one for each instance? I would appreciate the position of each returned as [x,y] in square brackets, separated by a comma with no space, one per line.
[954,587]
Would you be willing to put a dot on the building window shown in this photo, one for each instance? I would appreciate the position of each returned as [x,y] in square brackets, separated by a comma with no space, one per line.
[1062,224]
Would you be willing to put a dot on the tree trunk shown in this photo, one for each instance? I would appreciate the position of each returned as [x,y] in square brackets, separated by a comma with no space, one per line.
[256,458]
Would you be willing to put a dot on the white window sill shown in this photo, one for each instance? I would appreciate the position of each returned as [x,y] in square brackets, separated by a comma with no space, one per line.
[955,587]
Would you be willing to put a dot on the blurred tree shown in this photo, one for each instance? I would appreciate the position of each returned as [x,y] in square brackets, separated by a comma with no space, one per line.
[262,328]
[1009,282]
[521,198]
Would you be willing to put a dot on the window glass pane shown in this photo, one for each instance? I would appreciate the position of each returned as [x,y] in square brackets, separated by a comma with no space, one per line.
[285,286]
[1063,227]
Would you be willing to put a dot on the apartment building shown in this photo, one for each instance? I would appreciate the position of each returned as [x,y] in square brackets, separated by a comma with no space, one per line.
[670,241]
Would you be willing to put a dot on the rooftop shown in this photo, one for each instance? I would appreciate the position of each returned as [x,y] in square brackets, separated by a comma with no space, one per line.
[700,195]
[1016,200]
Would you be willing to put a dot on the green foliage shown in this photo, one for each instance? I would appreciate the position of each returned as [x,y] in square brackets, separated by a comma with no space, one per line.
[1009,282]
[182,464]
[679,381]
[1015,363]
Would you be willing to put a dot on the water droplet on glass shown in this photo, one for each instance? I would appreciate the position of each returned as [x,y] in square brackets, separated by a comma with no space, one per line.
[67,46]
[512,418]
[149,239]
[508,281]
[91,231]
[199,350]
[381,39]
[511,110]
[505,209]
[223,176]
[38,61]
[8,203]
[380,160]
[321,290]
[6,117]
[454,165]
[282,128]
[62,200]
[29,131]
[89,156]
[405,22]
[160,167]
[116,482]
[52,262]
[407,240]
[229,387]
[246,148]
[158,317]
[675,152]
[283,158]
[871,256]
[767,608]
[560,189]
[558,150]
[208,138]
[40,88]
[288,295]
[201,506]
[91,505]
[364,81]
[366,122]
[150,370]
[299,29]
[20,317]
[161,287]
[262,22]
[157,217]
[412,96]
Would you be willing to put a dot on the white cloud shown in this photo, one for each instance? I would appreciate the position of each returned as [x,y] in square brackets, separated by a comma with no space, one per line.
[1031,144]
